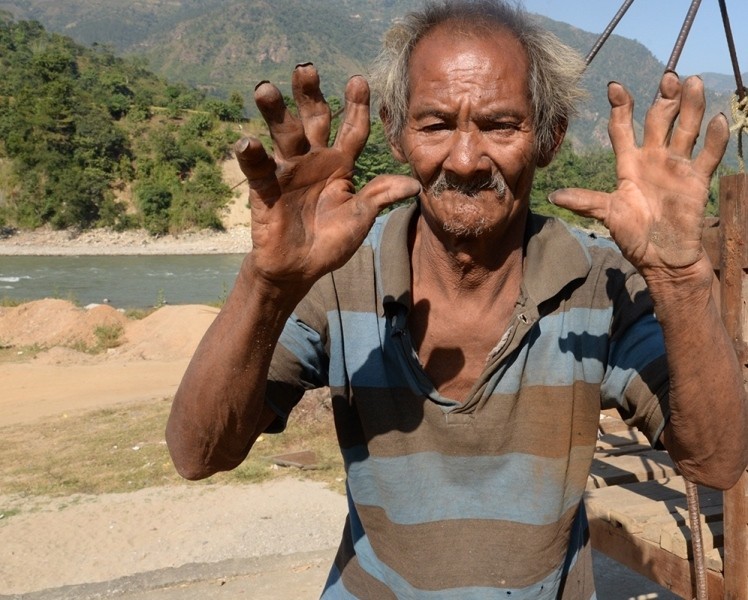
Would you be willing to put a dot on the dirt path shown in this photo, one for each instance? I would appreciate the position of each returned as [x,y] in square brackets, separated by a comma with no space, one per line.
[87,539]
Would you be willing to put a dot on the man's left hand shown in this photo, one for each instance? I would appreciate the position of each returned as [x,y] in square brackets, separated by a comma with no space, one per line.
[656,214]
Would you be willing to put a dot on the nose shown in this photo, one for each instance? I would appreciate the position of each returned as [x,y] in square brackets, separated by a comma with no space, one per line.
[466,157]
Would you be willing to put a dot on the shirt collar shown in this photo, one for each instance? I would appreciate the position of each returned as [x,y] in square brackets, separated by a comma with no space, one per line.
[554,257]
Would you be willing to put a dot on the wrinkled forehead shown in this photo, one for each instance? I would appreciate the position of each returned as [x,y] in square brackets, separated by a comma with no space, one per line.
[481,52]
[454,34]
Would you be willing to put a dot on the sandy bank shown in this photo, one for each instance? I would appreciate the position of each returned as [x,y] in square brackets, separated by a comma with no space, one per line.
[49,242]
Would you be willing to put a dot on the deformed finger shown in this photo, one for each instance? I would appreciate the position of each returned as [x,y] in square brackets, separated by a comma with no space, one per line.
[313,110]
[286,131]
[715,143]
[658,124]
[692,107]
[386,190]
[586,203]
[259,169]
[620,125]
[354,128]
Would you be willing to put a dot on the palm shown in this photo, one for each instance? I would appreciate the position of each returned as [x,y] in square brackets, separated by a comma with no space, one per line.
[656,213]
[306,218]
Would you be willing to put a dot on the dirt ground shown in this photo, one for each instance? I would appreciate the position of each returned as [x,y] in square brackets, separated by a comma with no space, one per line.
[48,543]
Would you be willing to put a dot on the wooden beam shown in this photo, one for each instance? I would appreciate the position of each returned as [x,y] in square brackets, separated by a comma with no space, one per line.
[733,225]
[648,559]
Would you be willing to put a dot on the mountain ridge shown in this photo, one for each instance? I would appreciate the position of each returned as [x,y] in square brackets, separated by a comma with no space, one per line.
[225,46]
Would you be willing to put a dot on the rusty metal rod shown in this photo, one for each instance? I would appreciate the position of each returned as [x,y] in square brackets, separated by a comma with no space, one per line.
[697,543]
[608,30]
[740,89]
[672,63]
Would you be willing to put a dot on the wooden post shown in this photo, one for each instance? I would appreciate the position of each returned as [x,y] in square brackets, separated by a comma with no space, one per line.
[733,204]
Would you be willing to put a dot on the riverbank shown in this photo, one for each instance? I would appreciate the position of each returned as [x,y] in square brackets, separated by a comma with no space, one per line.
[106,242]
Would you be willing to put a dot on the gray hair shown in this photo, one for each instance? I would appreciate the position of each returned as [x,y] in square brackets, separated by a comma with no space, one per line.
[555,69]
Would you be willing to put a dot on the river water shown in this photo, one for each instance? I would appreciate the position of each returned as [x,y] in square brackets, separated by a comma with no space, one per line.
[122,281]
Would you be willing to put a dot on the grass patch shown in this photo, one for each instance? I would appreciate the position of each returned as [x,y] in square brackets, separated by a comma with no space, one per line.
[7,302]
[10,353]
[137,314]
[108,336]
[122,449]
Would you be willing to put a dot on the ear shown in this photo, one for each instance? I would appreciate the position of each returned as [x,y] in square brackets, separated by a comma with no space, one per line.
[395,147]
[546,155]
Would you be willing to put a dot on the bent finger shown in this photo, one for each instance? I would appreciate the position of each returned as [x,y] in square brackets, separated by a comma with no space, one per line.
[620,124]
[586,203]
[259,169]
[658,123]
[354,128]
[692,107]
[386,190]
[313,110]
[286,131]
[715,143]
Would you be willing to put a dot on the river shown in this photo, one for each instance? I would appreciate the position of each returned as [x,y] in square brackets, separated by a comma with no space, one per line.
[122,281]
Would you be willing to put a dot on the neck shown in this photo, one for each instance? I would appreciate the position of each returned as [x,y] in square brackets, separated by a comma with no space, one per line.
[457,266]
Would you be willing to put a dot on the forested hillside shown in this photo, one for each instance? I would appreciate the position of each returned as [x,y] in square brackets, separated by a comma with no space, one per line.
[90,136]
[90,139]
[227,46]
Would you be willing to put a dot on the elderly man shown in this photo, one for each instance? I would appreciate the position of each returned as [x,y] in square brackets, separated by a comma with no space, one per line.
[468,343]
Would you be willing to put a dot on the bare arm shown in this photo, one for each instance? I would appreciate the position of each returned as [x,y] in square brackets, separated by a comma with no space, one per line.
[306,221]
[655,216]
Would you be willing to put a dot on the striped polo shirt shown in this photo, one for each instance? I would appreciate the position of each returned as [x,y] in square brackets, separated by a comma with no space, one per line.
[482,498]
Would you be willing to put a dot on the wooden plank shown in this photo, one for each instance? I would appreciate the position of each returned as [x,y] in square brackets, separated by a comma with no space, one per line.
[628,468]
[629,440]
[648,559]
[612,424]
[640,507]
[736,541]
[676,539]
[733,224]
[733,195]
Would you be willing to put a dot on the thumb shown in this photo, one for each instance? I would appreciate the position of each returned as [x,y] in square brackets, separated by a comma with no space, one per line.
[585,203]
[386,190]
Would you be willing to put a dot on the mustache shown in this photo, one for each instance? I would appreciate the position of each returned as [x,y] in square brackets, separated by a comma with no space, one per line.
[468,187]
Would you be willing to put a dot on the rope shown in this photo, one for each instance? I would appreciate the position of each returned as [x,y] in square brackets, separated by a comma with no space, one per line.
[739,110]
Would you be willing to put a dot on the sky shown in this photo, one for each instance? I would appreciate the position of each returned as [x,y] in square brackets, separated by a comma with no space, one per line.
[656,24]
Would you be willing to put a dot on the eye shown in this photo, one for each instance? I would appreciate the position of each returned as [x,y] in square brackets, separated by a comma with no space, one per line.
[437,126]
[501,126]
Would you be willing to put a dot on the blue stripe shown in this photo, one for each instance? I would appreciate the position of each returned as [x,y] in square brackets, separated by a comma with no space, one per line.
[306,345]
[427,486]
[363,354]
[629,355]
[567,347]
[575,354]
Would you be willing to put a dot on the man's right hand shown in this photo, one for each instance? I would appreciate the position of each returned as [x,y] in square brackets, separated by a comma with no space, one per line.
[307,219]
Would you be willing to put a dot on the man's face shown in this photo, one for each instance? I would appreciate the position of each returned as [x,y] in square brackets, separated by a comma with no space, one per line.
[468,135]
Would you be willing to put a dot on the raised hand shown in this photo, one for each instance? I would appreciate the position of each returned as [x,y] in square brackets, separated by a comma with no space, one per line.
[656,214]
[306,218]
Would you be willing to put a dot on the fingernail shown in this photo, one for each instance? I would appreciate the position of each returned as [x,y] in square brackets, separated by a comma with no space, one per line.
[306,64]
[612,81]
[550,198]
[241,145]
[263,82]
[670,72]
